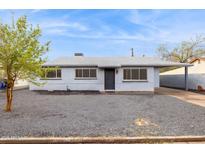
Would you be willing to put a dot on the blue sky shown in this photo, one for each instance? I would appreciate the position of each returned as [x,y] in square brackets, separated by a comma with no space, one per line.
[112,32]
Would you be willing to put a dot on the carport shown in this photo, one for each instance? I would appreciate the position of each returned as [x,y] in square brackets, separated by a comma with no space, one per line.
[186,73]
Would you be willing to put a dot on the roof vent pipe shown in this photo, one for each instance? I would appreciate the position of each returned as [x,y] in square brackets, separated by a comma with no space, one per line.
[132,52]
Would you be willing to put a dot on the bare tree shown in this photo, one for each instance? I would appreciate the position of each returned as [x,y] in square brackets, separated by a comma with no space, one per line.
[185,51]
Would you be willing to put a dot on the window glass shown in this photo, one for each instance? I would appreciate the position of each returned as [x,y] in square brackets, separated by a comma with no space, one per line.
[93,73]
[143,74]
[51,74]
[78,73]
[126,74]
[135,74]
[86,73]
[58,73]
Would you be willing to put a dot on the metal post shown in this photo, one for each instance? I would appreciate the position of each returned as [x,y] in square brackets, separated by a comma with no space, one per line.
[186,78]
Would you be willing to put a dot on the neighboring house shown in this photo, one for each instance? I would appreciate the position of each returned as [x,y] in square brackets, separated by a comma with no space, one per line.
[196,79]
[103,74]
[18,84]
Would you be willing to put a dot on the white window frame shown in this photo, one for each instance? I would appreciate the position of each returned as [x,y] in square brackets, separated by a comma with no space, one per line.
[86,78]
[134,80]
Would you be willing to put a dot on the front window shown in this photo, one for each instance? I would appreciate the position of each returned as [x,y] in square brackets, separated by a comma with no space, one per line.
[53,74]
[143,74]
[138,74]
[85,73]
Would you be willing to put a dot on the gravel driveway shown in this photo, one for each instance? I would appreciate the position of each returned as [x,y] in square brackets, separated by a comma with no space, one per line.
[38,114]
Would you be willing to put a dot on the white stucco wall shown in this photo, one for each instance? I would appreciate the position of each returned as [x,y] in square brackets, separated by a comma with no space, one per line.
[156,78]
[68,82]
[175,78]
[177,81]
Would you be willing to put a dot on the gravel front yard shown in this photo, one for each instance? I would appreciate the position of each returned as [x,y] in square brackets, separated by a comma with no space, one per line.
[38,114]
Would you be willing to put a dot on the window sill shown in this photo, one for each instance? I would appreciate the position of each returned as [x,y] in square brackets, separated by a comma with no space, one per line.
[85,78]
[52,79]
[135,80]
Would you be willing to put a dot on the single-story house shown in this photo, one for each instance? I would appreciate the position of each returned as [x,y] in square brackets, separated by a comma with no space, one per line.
[79,73]
[175,78]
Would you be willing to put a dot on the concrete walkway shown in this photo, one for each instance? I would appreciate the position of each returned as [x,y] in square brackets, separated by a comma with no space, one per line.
[187,96]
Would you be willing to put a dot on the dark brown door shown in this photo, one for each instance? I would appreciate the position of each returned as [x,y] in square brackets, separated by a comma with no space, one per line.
[109,79]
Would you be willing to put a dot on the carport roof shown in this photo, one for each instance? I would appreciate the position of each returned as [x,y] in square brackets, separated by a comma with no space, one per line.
[106,62]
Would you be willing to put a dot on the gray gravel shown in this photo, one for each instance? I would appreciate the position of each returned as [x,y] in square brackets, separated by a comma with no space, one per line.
[38,114]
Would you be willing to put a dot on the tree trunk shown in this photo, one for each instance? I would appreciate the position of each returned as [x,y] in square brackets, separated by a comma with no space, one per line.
[9,94]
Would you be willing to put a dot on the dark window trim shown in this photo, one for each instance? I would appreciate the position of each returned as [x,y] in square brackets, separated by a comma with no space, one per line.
[86,78]
[53,78]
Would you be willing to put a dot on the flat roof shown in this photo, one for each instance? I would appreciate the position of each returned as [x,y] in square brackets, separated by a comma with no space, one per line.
[106,62]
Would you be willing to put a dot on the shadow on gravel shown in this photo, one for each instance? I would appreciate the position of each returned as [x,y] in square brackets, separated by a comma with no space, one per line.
[43,92]
[88,92]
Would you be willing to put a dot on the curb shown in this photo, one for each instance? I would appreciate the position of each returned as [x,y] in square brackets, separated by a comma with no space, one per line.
[101,140]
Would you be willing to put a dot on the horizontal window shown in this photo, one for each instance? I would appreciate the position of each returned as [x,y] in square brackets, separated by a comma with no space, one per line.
[85,73]
[143,74]
[135,74]
[52,74]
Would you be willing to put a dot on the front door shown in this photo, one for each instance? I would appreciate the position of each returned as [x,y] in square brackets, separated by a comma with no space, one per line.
[109,79]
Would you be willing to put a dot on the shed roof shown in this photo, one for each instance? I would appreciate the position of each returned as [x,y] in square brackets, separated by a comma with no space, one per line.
[104,62]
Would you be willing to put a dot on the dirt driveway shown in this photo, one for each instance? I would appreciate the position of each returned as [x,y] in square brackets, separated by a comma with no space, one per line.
[37,114]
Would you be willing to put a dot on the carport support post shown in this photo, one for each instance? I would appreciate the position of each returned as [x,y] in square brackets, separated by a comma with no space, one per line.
[186,78]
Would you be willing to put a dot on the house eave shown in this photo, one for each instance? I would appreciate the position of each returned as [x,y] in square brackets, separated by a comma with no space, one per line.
[118,66]
[68,66]
[114,66]
[158,65]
